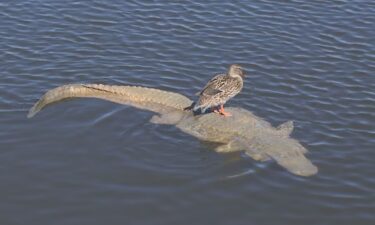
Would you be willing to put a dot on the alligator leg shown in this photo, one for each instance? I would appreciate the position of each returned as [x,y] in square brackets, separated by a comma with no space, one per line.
[257,155]
[255,150]
[238,144]
[232,146]
[167,118]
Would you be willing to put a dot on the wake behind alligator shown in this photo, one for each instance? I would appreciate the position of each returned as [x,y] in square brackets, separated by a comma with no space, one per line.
[243,131]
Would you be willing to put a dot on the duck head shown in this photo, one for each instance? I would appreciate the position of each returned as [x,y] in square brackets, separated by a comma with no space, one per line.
[236,70]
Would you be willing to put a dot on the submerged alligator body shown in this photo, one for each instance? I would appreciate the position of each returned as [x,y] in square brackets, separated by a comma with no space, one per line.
[243,131]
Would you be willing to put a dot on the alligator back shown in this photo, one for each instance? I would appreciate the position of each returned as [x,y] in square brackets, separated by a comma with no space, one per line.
[216,128]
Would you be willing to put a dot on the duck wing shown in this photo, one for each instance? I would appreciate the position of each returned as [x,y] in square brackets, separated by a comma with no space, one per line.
[214,86]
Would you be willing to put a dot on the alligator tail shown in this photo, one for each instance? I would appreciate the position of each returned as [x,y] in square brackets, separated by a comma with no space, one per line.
[141,97]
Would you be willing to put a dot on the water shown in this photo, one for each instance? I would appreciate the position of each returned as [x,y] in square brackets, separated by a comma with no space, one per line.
[95,162]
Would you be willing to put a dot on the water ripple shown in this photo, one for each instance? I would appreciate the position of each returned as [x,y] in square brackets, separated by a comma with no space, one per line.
[90,161]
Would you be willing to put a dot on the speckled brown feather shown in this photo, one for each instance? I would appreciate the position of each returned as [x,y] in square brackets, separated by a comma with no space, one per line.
[218,91]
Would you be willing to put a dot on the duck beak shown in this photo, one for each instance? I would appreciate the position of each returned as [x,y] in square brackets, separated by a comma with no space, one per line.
[243,75]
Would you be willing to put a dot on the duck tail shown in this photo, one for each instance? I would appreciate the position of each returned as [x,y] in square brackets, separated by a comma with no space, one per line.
[196,107]
[191,107]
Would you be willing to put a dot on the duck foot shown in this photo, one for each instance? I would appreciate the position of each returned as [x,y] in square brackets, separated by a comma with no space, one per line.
[222,112]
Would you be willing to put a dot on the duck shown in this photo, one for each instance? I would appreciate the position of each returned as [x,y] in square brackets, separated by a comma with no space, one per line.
[219,90]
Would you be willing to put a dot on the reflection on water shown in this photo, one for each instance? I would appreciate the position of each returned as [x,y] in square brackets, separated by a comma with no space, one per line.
[95,162]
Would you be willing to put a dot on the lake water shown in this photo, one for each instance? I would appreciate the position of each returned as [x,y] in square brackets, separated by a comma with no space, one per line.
[89,161]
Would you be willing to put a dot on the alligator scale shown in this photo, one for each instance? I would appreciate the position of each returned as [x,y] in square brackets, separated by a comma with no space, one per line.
[243,131]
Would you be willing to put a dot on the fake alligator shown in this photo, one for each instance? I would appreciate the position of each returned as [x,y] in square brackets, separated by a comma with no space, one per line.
[243,131]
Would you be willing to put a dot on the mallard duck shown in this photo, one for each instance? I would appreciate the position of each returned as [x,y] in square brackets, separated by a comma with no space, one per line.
[219,90]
